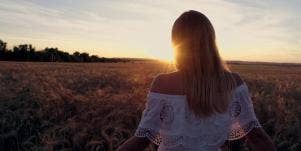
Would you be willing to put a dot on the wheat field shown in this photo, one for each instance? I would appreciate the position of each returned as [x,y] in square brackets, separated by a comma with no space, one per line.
[97,106]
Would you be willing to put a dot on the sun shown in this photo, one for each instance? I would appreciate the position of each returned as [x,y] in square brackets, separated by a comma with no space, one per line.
[164,54]
[165,57]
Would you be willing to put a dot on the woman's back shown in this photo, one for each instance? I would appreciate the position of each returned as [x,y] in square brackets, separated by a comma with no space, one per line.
[201,105]
[168,122]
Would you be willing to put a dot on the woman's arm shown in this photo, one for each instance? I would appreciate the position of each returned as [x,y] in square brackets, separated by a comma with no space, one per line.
[139,143]
[134,143]
[258,140]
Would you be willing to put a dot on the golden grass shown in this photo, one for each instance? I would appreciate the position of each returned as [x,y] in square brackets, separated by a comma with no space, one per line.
[97,106]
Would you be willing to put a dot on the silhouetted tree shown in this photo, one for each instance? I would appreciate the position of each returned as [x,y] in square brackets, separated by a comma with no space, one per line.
[50,54]
[94,58]
[26,52]
[85,57]
[31,53]
[23,52]
[2,49]
[76,57]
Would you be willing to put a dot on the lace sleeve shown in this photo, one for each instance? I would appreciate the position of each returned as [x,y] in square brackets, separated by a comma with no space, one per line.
[150,122]
[243,118]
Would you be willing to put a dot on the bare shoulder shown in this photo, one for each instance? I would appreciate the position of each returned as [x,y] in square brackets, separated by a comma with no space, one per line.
[171,83]
[165,82]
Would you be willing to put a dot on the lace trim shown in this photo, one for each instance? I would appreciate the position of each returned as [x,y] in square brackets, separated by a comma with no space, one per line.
[243,131]
[150,134]
[171,141]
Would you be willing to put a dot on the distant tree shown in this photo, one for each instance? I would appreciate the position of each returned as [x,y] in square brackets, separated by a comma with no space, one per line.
[23,52]
[51,54]
[94,58]
[26,52]
[85,57]
[76,57]
[65,56]
[2,49]
[32,55]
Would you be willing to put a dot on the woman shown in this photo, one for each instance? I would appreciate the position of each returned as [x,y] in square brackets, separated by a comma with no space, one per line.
[202,104]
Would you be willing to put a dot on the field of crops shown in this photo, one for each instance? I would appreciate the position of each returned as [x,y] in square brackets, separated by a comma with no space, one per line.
[97,106]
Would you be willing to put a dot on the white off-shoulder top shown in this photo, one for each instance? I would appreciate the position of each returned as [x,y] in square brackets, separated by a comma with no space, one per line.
[167,122]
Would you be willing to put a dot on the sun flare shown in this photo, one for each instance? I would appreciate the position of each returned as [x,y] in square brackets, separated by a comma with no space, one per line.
[165,56]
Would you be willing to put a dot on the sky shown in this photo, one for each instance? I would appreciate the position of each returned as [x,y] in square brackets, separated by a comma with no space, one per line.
[247,30]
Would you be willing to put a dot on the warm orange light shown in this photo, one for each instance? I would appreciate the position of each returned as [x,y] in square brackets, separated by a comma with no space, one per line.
[166,56]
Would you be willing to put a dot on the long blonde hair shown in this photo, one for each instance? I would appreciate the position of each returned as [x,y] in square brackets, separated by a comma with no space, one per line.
[207,80]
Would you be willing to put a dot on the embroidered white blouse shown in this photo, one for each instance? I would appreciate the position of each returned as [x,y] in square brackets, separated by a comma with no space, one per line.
[167,122]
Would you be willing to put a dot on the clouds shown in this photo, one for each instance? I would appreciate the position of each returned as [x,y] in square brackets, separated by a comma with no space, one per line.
[142,28]
[273,28]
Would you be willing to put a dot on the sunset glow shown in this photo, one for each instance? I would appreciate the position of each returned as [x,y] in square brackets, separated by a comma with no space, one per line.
[251,30]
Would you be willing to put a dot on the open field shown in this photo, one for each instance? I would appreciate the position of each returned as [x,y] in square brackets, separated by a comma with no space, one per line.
[96,106]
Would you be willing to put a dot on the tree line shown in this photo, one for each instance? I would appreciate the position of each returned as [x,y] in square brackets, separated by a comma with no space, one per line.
[26,52]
